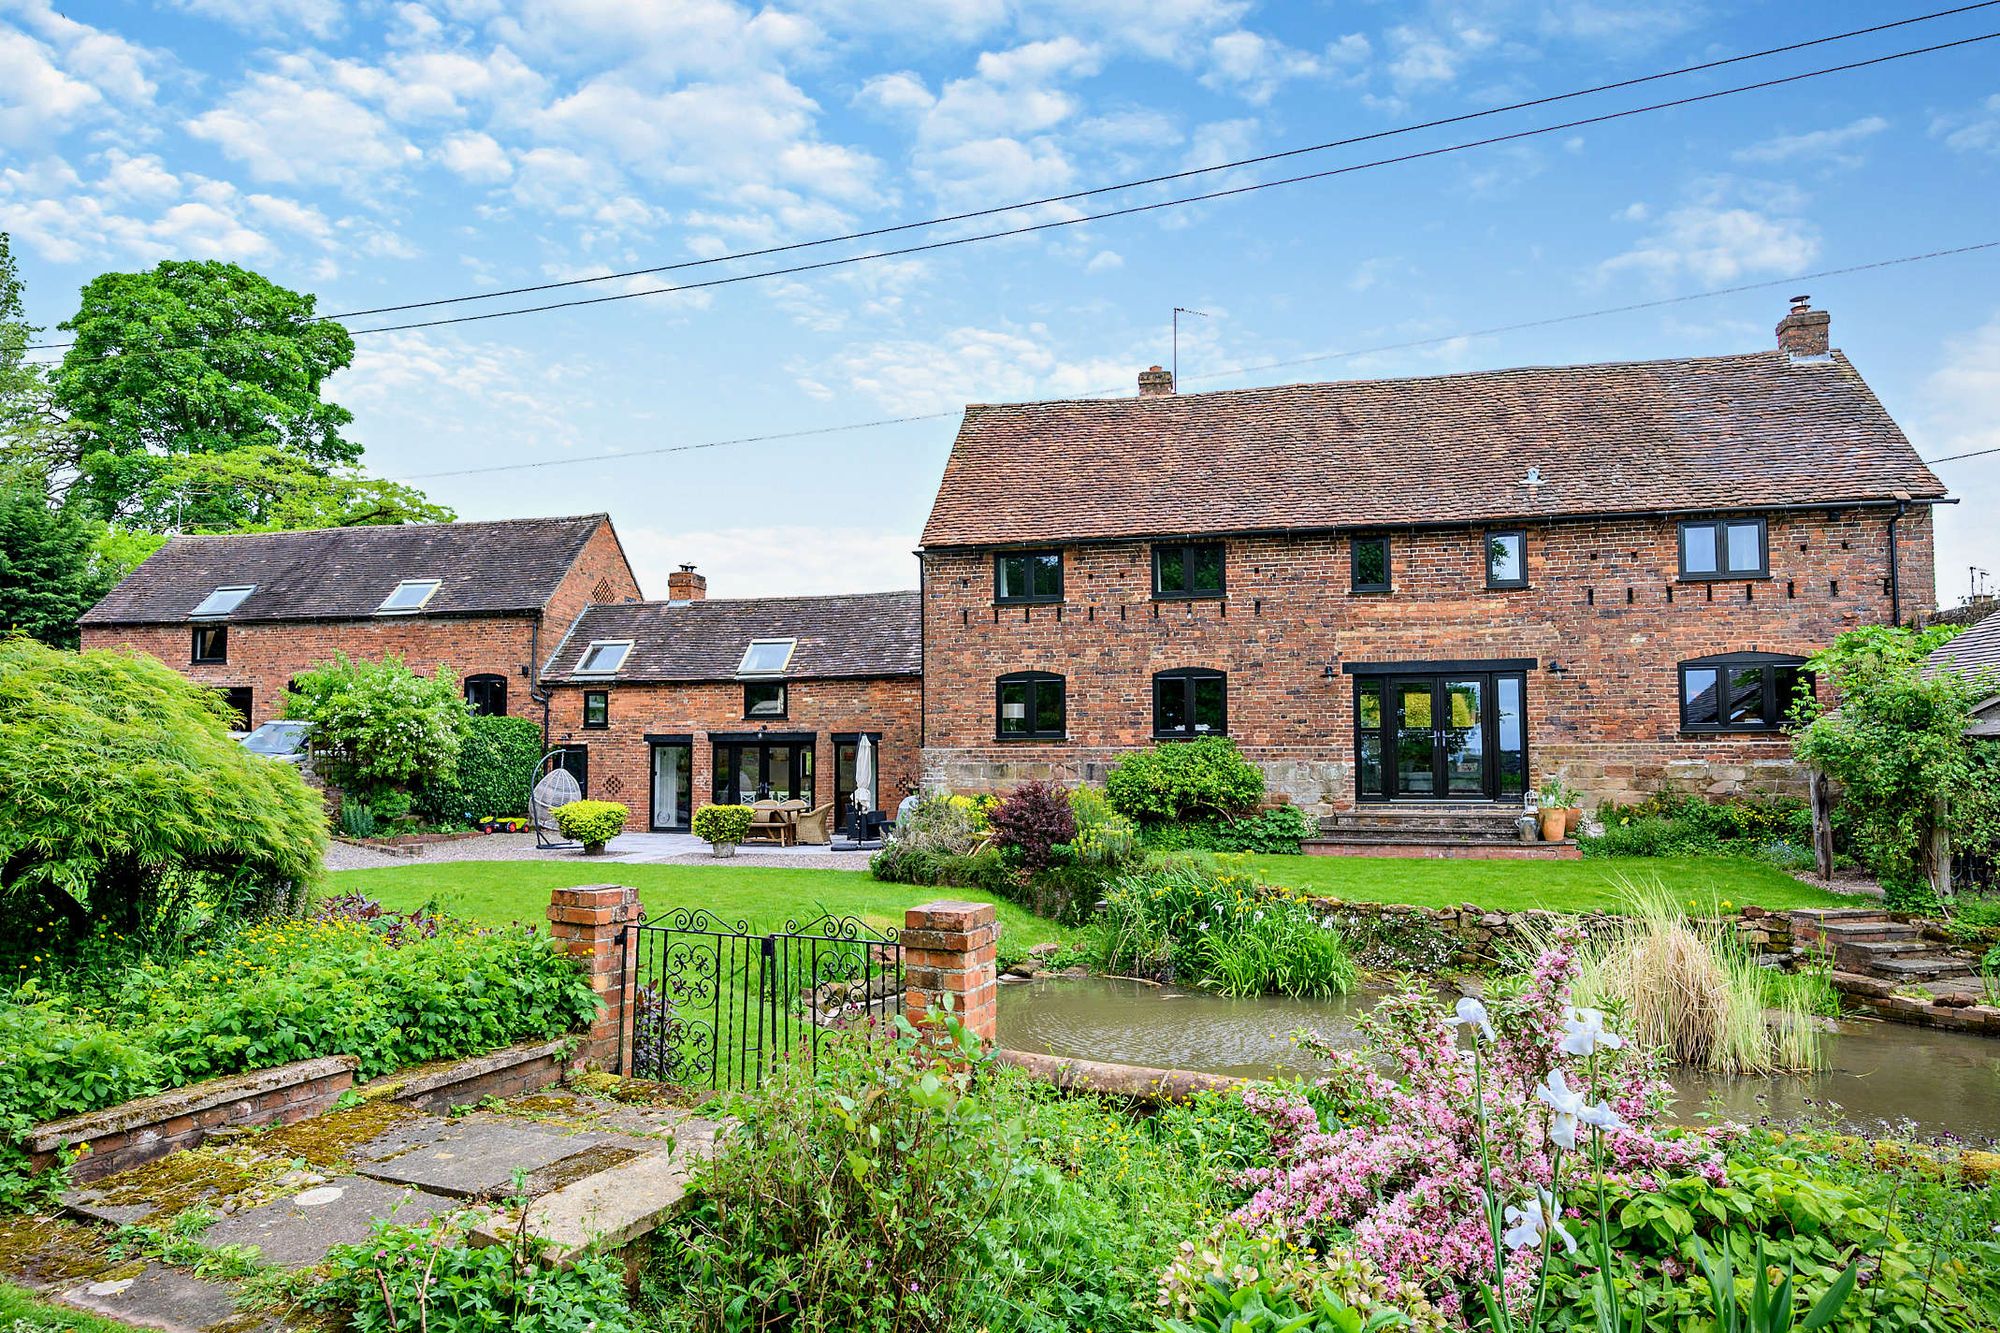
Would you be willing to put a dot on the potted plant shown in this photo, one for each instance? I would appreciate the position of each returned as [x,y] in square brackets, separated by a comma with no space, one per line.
[723,826]
[592,823]
[1555,809]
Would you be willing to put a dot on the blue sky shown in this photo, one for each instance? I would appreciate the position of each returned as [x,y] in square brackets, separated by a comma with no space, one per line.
[377,153]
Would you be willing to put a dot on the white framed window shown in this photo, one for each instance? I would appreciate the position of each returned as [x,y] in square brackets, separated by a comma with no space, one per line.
[222,601]
[767,657]
[603,657]
[409,595]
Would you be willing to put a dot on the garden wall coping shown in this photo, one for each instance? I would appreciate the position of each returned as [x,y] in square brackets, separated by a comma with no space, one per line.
[527,1067]
[185,1101]
[1136,1082]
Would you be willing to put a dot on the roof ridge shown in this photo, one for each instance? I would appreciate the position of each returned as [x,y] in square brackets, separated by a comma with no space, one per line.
[748,601]
[388,527]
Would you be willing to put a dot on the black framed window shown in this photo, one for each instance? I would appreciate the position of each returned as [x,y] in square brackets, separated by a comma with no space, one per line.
[1506,559]
[764,698]
[1190,702]
[486,695]
[237,698]
[1188,569]
[574,760]
[1740,691]
[1370,557]
[1725,548]
[596,709]
[211,644]
[1030,705]
[1028,576]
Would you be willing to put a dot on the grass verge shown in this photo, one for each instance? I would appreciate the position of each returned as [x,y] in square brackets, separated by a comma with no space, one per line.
[1557,886]
[20,1310]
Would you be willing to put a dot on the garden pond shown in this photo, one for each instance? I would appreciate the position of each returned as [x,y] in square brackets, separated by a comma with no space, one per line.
[1880,1073]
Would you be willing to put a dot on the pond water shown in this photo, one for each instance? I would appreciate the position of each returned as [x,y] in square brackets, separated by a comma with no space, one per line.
[1882,1073]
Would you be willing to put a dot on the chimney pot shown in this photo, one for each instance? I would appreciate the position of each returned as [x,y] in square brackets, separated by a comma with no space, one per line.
[1802,333]
[1155,381]
[684,585]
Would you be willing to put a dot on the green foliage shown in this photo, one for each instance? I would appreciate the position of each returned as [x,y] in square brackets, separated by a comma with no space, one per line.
[379,725]
[1775,830]
[49,573]
[406,1278]
[496,769]
[1896,744]
[126,801]
[1103,836]
[195,357]
[391,807]
[1184,780]
[948,825]
[903,863]
[272,993]
[275,489]
[724,825]
[356,818]
[1277,831]
[592,823]
[1183,921]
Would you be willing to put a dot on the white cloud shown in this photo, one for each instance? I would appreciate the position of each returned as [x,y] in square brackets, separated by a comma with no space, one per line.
[56,74]
[1975,131]
[294,123]
[475,157]
[1104,261]
[1959,413]
[316,18]
[968,364]
[1834,146]
[1716,239]
[1256,66]
[764,561]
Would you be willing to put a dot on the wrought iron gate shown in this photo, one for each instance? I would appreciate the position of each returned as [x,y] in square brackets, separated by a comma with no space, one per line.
[714,1005]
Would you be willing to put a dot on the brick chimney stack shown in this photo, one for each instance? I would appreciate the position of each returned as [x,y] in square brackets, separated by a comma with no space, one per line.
[1155,381]
[1803,332]
[684,585]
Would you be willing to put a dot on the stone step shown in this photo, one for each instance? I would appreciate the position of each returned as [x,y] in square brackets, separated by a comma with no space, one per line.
[1826,915]
[1420,830]
[1866,932]
[1865,949]
[1494,849]
[1933,967]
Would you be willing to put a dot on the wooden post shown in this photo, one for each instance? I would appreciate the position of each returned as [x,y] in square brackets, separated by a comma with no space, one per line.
[1822,822]
[1937,849]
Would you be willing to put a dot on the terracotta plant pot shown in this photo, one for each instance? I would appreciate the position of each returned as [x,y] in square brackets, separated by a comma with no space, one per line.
[1552,825]
[1572,819]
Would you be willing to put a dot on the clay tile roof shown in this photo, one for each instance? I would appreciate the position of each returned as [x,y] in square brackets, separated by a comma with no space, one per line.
[344,573]
[1973,653]
[1694,433]
[854,634]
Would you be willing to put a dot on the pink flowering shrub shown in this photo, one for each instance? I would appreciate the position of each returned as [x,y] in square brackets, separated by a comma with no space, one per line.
[1396,1173]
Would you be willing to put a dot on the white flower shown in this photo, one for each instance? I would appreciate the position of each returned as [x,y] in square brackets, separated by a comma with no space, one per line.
[1602,1116]
[1527,1222]
[1584,1033]
[1567,1106]
[1472,1014]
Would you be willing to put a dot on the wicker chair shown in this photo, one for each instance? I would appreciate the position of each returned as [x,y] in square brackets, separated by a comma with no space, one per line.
[815,827]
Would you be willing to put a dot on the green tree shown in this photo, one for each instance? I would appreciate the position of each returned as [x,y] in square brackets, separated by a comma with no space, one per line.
[29,424]
[194,357]
[49,569]
[381,726]
[272,489]
[1895,741]
[126,801]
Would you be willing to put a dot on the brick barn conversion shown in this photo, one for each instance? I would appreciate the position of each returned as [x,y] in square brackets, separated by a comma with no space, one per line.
[1392,594]
[1426,590]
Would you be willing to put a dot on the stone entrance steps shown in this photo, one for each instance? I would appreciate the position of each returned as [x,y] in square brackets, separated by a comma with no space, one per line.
[1871,943]
[1432,829]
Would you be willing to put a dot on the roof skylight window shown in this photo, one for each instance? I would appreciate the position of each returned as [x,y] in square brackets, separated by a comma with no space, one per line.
[603,657]
[767,657]
[409,595]
[222,601]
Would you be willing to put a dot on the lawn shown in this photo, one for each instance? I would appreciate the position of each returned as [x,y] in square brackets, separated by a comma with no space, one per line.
[1566,886]
[497,892]
[21,1309]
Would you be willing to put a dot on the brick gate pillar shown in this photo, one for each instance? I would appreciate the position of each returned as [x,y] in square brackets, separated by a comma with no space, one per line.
[589,922]
[949,948]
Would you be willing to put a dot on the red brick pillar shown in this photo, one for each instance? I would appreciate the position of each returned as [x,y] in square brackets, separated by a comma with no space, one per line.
[949,949]
[589,921]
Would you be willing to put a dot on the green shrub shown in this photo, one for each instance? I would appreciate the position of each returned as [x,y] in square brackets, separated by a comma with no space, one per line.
[1776,830]
[592,823]
[1184,921]
[391,807]
[496,767]
[126,804]
[723,825]
[985,870]
[951,825]
[406,1278]
[1277,831]
[379,725]
[1197,779]
[356,818]
[1103,837]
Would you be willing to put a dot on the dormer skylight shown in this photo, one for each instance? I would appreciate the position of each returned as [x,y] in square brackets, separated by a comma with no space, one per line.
[409,596]
[222,601]
[603,657]
[767,657]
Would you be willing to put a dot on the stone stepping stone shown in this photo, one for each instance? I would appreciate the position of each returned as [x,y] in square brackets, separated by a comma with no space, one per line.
[476,1160]
[296,1232]
[610,1208]
[158,1297]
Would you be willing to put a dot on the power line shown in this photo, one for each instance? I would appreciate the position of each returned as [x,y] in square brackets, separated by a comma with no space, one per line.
[1162,204]
[1243,370]
[1953,458]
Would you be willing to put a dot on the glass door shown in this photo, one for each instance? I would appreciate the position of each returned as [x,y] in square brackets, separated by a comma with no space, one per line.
[1460,736]
[1415,739]
[673,794]
[1461,733]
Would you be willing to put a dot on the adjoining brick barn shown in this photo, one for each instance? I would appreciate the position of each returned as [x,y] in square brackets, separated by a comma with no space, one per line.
[1421,591]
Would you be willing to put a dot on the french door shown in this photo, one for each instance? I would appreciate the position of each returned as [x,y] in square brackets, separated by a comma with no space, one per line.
[778,767]
[1456,736]
[673,785]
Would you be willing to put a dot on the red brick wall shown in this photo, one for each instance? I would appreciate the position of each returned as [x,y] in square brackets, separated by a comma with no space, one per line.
[621,760]
[1597,601]
[599,574]
[266,656]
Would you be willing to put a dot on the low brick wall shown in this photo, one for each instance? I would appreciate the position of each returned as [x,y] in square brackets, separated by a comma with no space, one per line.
[139,1131]
[1875,996]
[512,1072]
[1399,935]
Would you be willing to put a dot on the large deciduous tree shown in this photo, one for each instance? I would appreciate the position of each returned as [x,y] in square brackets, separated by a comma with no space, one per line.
[193,358]
[126,801]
